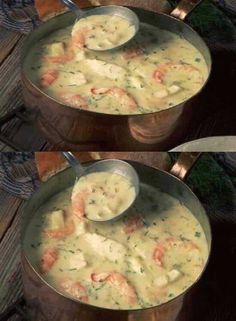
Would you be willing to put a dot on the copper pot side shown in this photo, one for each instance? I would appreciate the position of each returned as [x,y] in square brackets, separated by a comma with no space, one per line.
[68,127]
[46,304]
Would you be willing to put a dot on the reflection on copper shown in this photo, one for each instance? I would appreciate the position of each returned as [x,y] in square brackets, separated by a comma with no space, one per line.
[184,8]
[184,163]
[152,129]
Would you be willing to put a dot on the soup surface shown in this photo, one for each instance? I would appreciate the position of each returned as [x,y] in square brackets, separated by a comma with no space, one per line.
[100,32]
[102,196]
[156,70]
[145,259]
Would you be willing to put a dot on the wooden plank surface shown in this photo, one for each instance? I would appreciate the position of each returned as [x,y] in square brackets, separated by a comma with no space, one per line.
[10,275]
[9,207]
[23,134]
[10,77]
[8,40]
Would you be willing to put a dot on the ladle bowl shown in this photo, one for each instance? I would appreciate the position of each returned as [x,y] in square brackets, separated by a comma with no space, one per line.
[111,10]
[114,166]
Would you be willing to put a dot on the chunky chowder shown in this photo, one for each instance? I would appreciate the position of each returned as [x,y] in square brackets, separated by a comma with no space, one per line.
[156,70]
[102,195]
[142,260]
[100,32]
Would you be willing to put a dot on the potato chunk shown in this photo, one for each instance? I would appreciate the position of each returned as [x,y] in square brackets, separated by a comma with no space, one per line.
[173,89]
[55,220]
[173,275]
[161,281]
[56,49]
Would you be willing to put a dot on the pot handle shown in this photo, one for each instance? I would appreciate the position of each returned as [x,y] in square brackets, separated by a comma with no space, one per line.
[184,7]
[184,164]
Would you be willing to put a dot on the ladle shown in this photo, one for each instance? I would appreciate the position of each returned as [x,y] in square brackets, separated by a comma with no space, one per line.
[111,10]
[115,166]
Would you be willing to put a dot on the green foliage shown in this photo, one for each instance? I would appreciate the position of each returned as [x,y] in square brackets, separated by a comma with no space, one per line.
[210,183]
[210,22]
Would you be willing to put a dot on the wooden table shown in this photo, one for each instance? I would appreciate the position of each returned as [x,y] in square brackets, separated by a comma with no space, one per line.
[10,215]
[216,105]
[22,133]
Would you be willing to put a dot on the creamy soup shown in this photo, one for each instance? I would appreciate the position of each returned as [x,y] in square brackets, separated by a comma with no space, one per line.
[156,70]
[102,196]
[99,32]
[145,259]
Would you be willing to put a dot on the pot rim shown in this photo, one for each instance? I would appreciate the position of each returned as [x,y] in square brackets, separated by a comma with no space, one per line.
[97,114]
[126,310]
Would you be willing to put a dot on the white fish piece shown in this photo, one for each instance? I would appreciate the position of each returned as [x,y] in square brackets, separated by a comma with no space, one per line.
[105,69]
[76,261]
[106,247]
[80,226]
[136,82]
[136,265]
[77,79]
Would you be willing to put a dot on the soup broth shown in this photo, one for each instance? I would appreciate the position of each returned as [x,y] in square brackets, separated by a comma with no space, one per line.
[156,70]
[144,259]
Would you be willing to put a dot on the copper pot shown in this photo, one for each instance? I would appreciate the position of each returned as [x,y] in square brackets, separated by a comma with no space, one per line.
[47,304]
[69,128]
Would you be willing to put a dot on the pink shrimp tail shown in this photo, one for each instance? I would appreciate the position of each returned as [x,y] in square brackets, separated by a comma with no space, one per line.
[49,258]
[158,255]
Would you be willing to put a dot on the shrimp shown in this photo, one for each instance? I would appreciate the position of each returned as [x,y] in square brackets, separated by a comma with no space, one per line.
[60,58]
[75,289]
[79,37]
[59,52]
[162,70]
[48,259]
[124,97]
[168,244]
[100,91]
[133,223]
[120,282]
[120,94]
[75,100]
[158,75]
[158,255]
[133,52]
[49,77]
[78,203]
[66,230]
[61,233]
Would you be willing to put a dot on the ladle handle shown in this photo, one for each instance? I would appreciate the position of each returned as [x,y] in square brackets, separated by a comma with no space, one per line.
[74,163]
[73,7]
[184,164]
[184,7]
